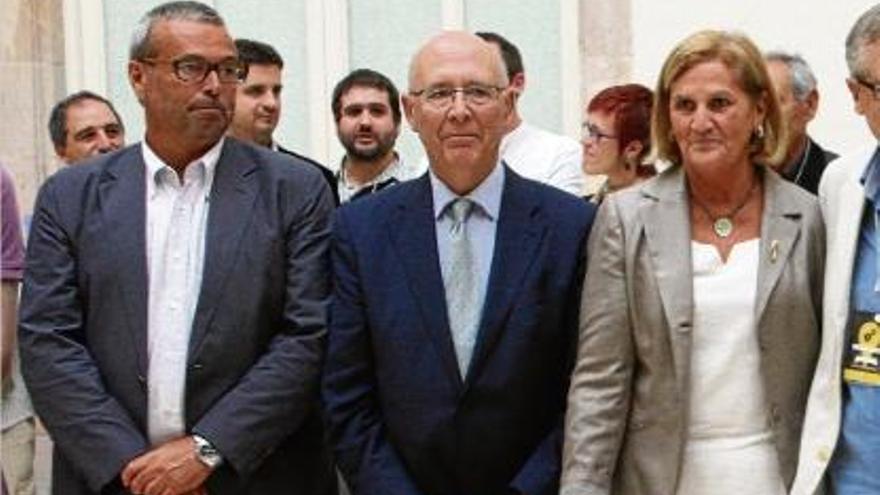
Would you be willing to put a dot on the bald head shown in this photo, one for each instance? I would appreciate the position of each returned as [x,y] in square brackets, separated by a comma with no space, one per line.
[456,45]
[458,103]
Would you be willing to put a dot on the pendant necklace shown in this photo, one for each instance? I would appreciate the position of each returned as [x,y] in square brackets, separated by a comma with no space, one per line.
[722,224]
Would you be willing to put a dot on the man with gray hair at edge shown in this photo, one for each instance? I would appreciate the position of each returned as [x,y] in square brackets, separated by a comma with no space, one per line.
[841,433]
[798,96]
[172,321]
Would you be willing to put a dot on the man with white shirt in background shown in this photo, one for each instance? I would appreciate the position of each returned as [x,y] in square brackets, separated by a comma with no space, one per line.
[530,151]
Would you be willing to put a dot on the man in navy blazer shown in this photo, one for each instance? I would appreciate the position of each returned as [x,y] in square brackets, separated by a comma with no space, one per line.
[173,314]
[419,402]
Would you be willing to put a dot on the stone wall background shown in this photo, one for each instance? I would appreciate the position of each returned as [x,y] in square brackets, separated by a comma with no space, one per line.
[31,79]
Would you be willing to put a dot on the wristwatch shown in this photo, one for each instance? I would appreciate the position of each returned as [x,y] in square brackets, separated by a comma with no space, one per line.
[206,453]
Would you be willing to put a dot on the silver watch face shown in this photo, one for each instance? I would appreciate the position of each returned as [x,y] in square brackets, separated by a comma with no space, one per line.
[207,453]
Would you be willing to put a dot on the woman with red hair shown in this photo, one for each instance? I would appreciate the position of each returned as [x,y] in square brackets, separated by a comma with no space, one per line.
[617,136]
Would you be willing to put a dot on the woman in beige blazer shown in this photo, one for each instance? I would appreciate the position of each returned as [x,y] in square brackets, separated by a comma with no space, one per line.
[700,315]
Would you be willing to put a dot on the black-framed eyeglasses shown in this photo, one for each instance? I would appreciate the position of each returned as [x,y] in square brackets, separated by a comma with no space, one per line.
[195,69]
[874,87]
[442,97]
[592,132]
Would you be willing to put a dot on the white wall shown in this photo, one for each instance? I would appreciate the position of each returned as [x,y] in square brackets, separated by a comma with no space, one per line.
[321,40]
[383,35]
[816,29]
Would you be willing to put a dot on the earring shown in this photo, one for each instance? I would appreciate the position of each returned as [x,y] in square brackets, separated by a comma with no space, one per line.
[759,131]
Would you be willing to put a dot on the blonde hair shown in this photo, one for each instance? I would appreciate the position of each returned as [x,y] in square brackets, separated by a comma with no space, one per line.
[741,56]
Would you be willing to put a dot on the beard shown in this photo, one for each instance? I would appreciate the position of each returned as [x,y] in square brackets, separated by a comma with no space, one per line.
[384,143]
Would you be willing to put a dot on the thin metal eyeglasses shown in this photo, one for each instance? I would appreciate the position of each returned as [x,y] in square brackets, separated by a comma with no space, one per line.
[874,87]
[442,97]
[591,132]
[196,69]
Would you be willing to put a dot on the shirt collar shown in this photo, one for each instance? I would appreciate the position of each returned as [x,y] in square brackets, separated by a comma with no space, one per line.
[487,195]
[871,179]
[209,161]
[392,171]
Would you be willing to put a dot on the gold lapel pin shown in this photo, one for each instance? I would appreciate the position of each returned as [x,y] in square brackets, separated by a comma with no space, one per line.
[774,250]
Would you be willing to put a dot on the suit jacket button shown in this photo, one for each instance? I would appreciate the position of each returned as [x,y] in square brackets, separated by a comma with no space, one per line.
[196,367]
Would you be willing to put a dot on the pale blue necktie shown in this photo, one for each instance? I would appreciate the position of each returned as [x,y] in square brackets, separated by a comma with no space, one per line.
[462,296]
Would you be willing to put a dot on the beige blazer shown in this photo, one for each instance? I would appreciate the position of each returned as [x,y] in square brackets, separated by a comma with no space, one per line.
[842,199]
[625,426]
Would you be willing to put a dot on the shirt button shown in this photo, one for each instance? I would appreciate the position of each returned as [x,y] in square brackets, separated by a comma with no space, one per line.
[824,454]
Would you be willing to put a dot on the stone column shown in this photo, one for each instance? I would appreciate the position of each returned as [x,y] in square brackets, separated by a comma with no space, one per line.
[606,44]
[606,51]
[32,79]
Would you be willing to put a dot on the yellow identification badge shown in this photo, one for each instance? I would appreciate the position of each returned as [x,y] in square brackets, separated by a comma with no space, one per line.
[862,359]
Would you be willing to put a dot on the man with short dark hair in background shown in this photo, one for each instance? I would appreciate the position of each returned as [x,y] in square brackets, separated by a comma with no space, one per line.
[173,312]
[532,152]
[366,109]
[258,102]
[798,96]
[83,125]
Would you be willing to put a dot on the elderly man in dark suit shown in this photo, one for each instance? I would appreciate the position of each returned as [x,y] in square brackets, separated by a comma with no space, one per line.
[798,96]
[455,302]
[173,314]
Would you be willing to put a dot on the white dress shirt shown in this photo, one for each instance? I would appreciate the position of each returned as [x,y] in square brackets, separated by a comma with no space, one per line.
[540,155]
[729,448]
[177,219]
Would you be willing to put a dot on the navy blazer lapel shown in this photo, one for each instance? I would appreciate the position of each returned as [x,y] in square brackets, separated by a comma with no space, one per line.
[414,237]
[232,198]
[519,233]
[122,200]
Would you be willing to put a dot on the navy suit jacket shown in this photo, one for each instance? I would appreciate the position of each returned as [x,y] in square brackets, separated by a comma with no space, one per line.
[402,419]
[258,335]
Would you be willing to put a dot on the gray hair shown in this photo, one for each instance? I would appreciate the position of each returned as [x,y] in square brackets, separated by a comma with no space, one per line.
[803,81]
[866,30]
[171,11]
